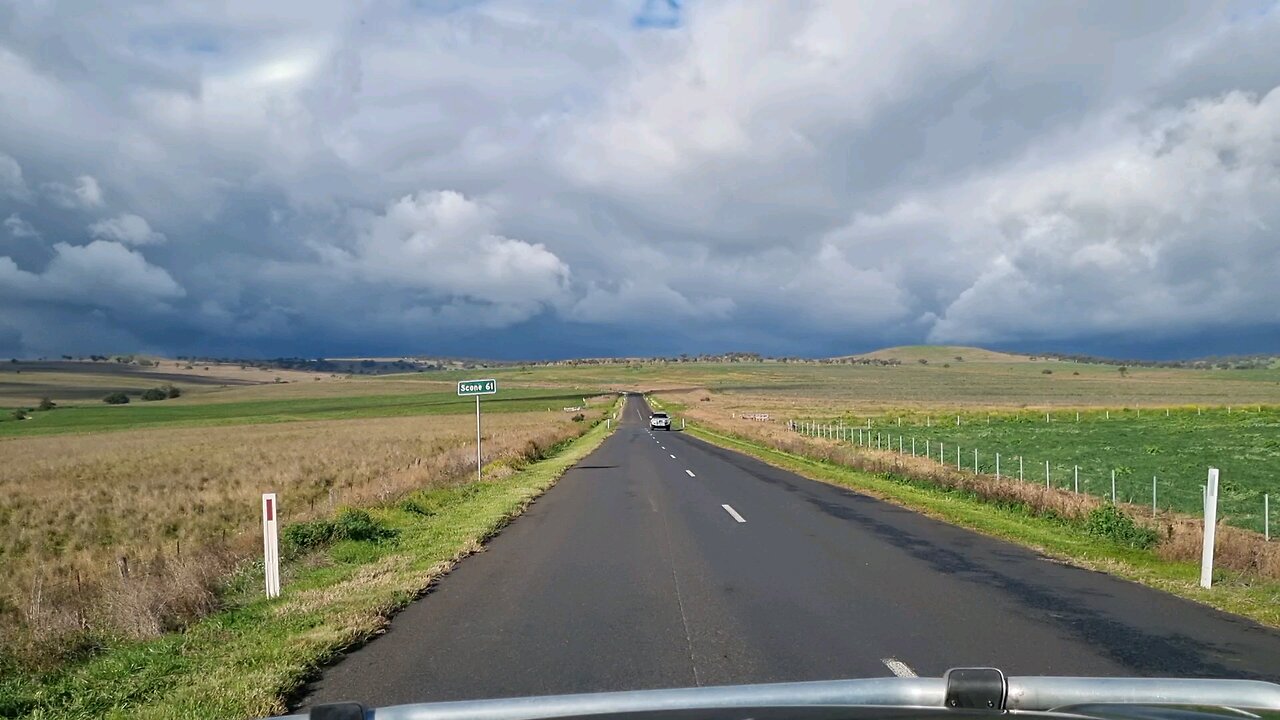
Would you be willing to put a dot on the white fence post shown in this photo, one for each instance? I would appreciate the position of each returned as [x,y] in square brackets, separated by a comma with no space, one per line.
[1153,496]
[271,543]
[1046,474]
[1266,516]
[957,457]
[975,461]
[913,446]
[1019,468]
[1210,526]
[1077,479]
[1113,487]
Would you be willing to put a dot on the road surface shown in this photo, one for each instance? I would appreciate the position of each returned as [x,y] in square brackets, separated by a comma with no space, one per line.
[663,561]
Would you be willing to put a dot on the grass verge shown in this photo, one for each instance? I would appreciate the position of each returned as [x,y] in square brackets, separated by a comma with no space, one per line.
[244,661]
[1057,538]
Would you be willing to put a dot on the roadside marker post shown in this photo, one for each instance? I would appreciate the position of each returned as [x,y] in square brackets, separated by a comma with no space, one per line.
[1020,478]
[997,466]
[1153,496]
[1266,517]
[1113,487]
[271,543]
[1046,474]
[975,461]
[477,388]
[957,457]
[913,446]
[1077,479]
[1210,526]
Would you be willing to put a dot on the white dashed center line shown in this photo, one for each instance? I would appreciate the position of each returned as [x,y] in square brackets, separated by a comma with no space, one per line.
[690,472]
[899,668]
[673,457]
[739,518]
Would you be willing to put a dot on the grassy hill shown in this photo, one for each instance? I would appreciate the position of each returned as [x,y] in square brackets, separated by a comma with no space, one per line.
[940,354]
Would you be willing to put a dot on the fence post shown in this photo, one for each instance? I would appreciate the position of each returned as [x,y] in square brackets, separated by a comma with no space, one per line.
[1046,474]
[899,444]
[942,460]
[1210,527]
[957,457]
[1077,479]
[913,446]
[1019,468]
[1266,517]
[975,461]
[1153,496]
[997,466]
[1113,487]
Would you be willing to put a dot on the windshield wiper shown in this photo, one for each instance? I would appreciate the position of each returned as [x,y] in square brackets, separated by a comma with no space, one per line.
[976,688]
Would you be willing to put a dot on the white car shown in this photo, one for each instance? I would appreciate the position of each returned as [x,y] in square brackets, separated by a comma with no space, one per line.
[659,421]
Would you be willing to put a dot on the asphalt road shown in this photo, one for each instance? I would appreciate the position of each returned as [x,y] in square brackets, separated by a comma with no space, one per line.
[663,561]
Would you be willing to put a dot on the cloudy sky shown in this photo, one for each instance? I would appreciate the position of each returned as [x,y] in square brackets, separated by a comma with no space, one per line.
[534,179]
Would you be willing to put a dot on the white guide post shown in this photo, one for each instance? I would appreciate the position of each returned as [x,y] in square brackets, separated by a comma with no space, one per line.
[1210,525]
[271,543]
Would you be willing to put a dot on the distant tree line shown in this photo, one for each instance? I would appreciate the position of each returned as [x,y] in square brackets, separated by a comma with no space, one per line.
[1215,362]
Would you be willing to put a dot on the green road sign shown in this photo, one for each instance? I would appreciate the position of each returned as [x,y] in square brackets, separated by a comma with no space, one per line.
[477,387]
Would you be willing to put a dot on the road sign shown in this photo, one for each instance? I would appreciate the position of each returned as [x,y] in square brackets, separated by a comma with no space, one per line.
[477,387]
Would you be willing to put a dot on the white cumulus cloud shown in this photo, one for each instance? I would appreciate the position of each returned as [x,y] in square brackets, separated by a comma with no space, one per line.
[12,184]
[128,229]
[445,244]
[103,274]
[85,193]
[19,228]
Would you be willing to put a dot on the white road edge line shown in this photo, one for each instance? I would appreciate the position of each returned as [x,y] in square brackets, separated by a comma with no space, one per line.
[740,519]
[897,667]
[690,473]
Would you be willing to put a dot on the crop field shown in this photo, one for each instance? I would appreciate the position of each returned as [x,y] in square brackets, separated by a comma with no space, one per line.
[126,519]
[967,383]
[1174,450]
[25,383]
[172,507]
[202,411]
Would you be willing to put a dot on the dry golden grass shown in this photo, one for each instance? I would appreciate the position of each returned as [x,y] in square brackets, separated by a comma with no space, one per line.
[1180,536]
[180,507]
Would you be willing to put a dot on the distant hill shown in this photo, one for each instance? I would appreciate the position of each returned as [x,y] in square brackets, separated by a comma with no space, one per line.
[940,354]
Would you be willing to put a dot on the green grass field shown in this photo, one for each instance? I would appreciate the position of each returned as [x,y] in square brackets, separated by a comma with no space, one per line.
[193,412]
[1176,450]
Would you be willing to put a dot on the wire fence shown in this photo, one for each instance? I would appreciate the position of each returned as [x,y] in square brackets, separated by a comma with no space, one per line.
[932,436]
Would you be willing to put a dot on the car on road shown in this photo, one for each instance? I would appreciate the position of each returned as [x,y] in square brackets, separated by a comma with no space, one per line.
[659,421]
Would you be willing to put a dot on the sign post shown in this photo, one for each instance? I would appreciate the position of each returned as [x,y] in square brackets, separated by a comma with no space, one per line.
[271,543]
[1210,525]
[477,388]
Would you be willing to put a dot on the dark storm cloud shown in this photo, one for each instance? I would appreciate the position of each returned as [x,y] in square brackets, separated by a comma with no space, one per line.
[530,180]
